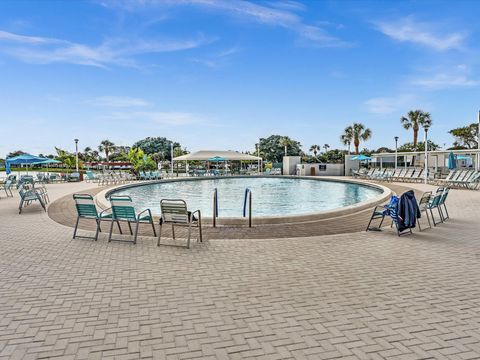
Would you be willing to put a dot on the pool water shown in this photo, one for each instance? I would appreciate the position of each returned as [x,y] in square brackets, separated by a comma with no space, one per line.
[271,196]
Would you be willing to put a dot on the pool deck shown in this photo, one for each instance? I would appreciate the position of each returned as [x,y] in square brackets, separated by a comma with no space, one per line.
[344,296]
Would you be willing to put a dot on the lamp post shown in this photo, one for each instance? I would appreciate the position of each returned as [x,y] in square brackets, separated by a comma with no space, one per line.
[171,165]
[426,156]
[76,154]
[478,142]
[396,152]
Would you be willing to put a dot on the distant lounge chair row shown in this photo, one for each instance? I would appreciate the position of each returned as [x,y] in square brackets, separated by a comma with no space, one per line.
[401,174]
[461,178]
[147,175]
[109,178]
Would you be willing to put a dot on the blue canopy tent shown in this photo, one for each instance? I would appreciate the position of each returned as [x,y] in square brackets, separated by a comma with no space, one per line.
[24,159]
[49,161]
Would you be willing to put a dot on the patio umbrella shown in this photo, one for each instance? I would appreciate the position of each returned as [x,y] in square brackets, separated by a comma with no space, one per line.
[452,161]
[362,157]
[216,159]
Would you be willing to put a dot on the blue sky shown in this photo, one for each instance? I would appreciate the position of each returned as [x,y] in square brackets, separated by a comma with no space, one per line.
[220,74]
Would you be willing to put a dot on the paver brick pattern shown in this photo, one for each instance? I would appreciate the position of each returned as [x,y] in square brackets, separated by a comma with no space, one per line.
[348,296]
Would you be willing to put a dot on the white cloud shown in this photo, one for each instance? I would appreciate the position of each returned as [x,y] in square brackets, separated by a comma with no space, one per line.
[388,105]
[410,30]
[34,49]
[442,81]
[282,14]
[218,59]
[35,40]
[118,101]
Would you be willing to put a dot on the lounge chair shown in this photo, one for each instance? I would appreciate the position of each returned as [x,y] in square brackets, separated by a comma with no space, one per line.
[398,174]
[74,177]
[89,176]
[7,187]
[175,212]
[53,178]
[123,210]
[27,196]
[417,175]
[408,175]
[86,209]
[41,178]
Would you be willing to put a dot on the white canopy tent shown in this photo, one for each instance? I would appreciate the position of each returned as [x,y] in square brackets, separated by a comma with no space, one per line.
[209,155]
[205,155]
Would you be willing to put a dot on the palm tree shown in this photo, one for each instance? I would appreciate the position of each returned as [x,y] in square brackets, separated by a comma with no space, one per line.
[86,154]
[356,133]
[107,147]
[347,137]
[326,147]
[285,141]
[315,149]
[415,119]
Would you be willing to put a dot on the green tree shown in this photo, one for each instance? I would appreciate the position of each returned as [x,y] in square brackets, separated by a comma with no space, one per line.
[106,146]
[355,133]
[120,153]
[140,161]
[272,149]
[326,147]
[414,120]
[68,159]
[285,141]
[409,147]
[347,137]
[466,136]
[157,145]
[334,156]
[315,149]
[15,153]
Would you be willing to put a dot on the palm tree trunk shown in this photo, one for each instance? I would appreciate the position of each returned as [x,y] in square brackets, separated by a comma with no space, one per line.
[415,141]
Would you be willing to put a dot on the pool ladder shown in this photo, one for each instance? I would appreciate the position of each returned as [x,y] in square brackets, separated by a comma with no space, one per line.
[247,201]
[215,207]
[248,197]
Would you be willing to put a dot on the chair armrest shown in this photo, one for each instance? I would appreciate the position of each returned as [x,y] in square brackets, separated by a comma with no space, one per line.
[101,212]
[144,211]
[196,212]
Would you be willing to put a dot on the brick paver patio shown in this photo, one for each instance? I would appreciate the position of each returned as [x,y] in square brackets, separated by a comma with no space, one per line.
[348,296]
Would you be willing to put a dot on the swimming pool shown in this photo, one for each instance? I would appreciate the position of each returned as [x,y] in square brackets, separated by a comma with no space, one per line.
[272,196]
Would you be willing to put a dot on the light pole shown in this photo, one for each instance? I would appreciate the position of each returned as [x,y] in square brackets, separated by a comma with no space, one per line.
[478,142]
[396,152]
[426,156]
[76,154]
[171,165]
